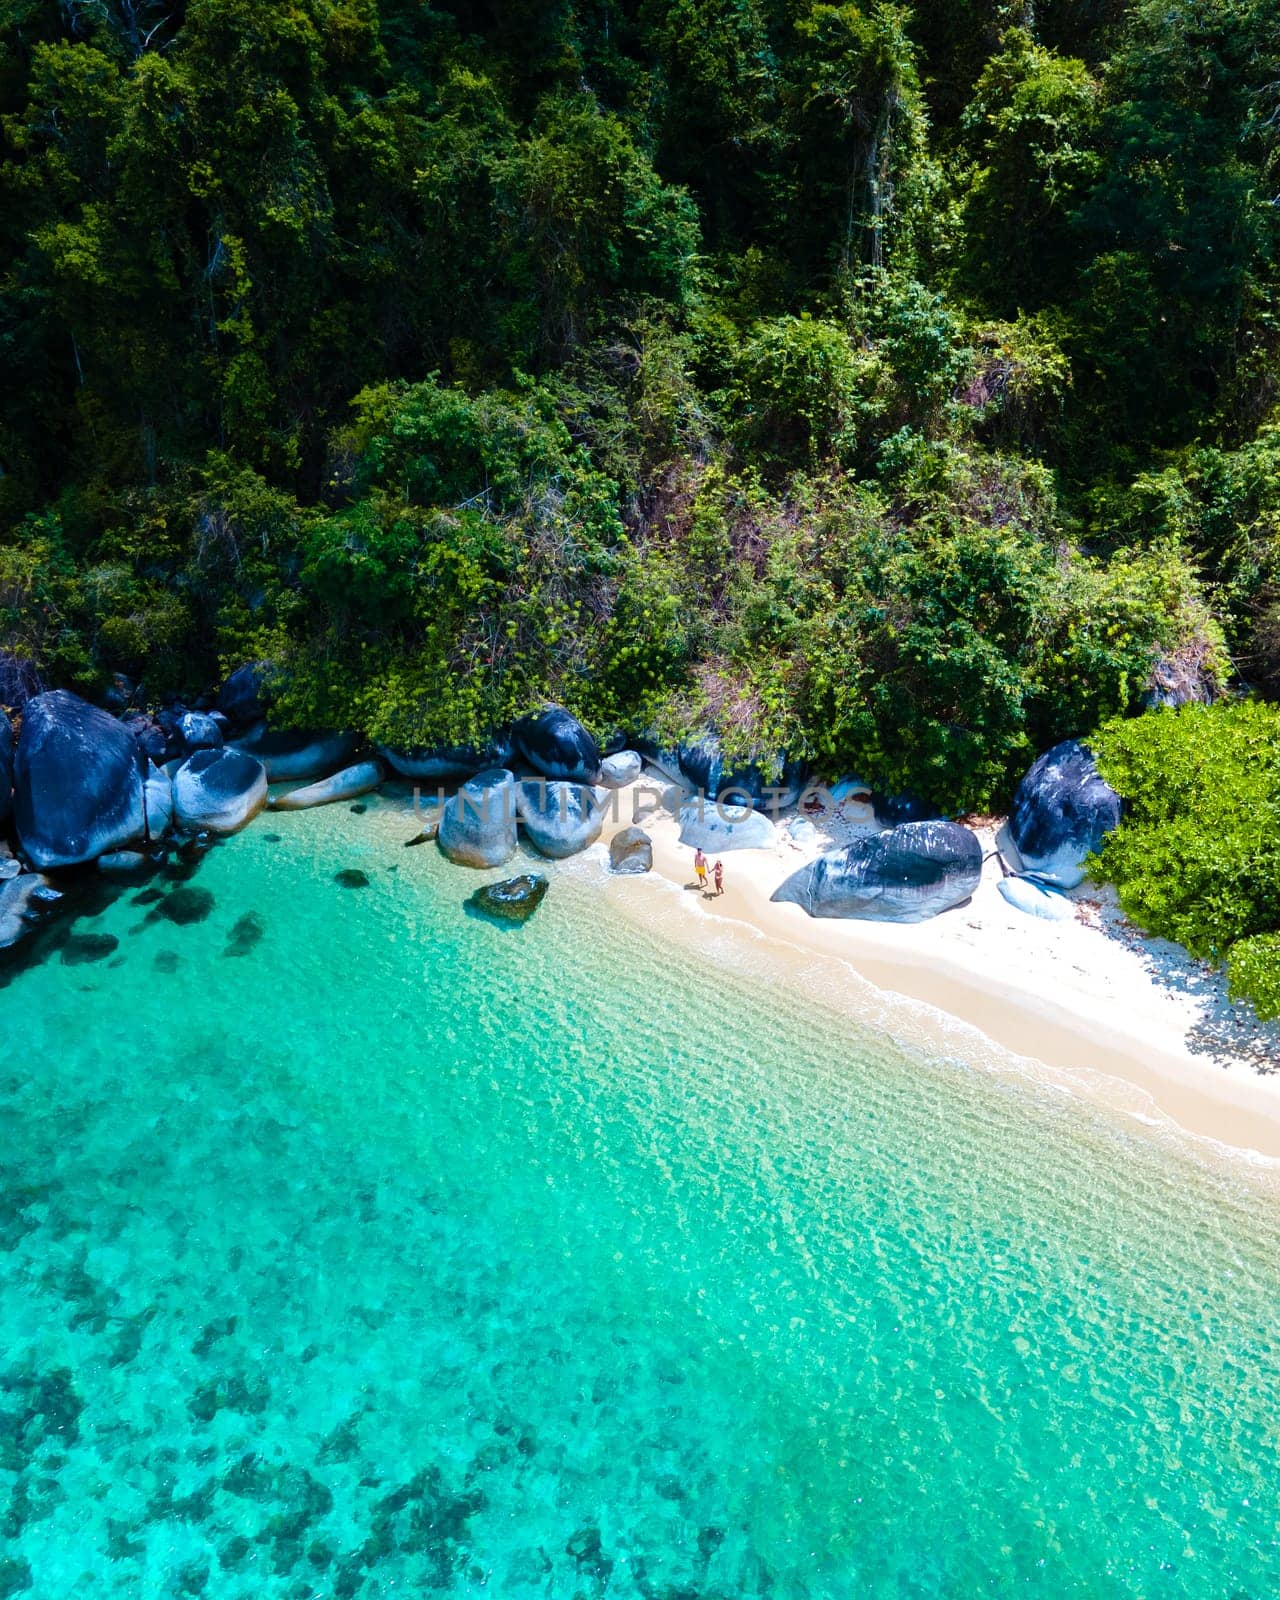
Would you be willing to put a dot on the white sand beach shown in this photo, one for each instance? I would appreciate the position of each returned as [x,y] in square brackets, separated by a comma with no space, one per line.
[1107,1012]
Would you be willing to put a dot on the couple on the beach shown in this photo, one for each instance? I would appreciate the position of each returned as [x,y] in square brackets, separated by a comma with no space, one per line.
[700,867]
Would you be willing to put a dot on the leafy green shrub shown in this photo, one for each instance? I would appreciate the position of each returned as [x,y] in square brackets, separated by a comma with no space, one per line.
[1197,857]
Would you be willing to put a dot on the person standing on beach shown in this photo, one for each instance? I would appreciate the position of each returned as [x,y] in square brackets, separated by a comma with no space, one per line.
[719,877]
[700,867]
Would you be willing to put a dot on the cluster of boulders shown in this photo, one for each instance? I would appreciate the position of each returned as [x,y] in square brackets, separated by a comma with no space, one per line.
[80,785]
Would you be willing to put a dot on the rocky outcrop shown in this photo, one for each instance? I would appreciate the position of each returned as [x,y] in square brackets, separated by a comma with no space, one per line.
[560,819]
[448,760]
[478,824]
[630,852]
[893,809]
[706,826]
[703,767]
[24,902]
[245,697]
[297,757]
[6,766]
[620,769]
[1036,899]
[1062,812]
[556,744]
[513,900]
[344,785]
[157,737]
[218,790]
[907,874]
[157,798]
[199,731]
[77,782]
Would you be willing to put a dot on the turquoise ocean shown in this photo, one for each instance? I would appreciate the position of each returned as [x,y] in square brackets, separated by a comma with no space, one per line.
[351,1246]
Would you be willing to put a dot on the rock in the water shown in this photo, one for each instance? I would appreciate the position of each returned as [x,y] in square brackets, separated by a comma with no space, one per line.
[344,785]
[617,771]
[704,769]
[908,874]
[630,852]
[244,697]
[1062,811]
[124,863]
[6,765]
[245,935]
[79,949]
[556,744]
[478,824]
[184,907]
[351,878]
[430,828]
[1036,899]
[218,790]
[560,819]
[24,902]
[706,826]
[199,731]
[297,757]
[449,760]
[77,782]
[512,900]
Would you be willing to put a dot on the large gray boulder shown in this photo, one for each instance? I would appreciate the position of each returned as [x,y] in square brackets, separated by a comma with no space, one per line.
[560,819]
[23,902]
[157,798]
[478,824]
[556,744]
[621,768]
[219,791]
[1037,899]
[77,782]
[706,826]
[200,731]
[6,765]
[630,852]
[344,785]
[908,874]
[448,760]
[297,757]
[1062,812]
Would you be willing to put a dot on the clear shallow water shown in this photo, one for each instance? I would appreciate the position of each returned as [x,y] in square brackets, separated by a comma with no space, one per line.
[402,1254]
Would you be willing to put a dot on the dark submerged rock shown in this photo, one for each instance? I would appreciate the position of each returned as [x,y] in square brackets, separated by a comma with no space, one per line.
[426,834]
[1062,812]
[478,824]
[560,819]
[245,935]
[79,949]
[556,744]
[512,900]
[185,906]
[166,961]
[218,790]
[351,878]
[630,852]
[909,874]
[77,780]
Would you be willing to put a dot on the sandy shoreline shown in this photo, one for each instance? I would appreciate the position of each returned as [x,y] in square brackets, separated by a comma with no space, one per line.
[1132,1023]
